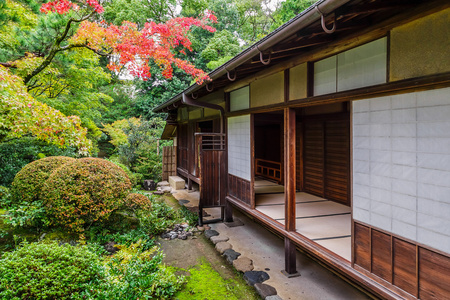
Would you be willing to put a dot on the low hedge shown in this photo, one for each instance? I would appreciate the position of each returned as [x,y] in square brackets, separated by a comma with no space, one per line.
[84,191]
[28,182]
[49,271]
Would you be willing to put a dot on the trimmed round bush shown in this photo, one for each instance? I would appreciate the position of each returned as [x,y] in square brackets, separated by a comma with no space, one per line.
[28,182]
[135,201]
[48,271]
[84,191]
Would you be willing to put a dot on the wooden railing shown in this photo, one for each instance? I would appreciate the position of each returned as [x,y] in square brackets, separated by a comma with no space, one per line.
[269,169]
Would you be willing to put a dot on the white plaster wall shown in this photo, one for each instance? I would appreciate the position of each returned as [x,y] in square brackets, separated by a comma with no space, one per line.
[239,153]
[401,165]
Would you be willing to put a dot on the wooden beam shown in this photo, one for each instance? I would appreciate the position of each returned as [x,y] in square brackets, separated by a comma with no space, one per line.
[289,168]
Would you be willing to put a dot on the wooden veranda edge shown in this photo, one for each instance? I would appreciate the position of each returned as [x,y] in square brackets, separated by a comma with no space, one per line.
[332,262]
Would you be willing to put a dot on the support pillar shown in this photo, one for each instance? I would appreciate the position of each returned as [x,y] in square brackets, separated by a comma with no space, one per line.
[228,212]
[289,190]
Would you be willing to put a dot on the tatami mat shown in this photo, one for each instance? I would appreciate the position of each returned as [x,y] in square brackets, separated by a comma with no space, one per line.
[340,246]
[325,222]
[305,210]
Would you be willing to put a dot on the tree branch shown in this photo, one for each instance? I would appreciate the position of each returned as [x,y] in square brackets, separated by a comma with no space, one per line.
[56,47]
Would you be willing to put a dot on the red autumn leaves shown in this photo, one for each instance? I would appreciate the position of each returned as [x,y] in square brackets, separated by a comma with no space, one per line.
[132,47]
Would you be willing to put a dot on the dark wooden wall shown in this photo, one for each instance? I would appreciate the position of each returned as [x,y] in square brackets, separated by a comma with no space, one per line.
[213,178]
[239,188]
[326,157]
[421,272]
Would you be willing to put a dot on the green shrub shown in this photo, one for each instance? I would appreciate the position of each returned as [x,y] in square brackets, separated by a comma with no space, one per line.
[135,201]
[84,191]
[136,274]
[17,153]
[4,197]
[136,178]
[28,183]
[48,271]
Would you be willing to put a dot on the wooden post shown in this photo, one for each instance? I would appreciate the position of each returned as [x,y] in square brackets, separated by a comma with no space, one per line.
[289,190]
[289,168]
[290,259]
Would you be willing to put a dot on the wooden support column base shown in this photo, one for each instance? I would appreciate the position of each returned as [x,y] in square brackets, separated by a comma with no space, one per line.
[290,259]
[228,212]
[189,184]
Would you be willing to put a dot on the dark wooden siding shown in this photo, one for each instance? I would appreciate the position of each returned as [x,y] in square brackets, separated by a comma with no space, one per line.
[326,159]
[337,160]
[239,188]
[314,162]
[213,187]
[421,272]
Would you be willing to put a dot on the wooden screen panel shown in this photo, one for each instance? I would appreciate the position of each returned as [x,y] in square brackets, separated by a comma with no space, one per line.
[212,189]
[434,275]
[405,276]
[362,246]
[182,148]
[313,158]
[381,255]
[337,160]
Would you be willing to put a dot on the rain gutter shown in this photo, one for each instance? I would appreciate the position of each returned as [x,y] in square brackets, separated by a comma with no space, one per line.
[299,22]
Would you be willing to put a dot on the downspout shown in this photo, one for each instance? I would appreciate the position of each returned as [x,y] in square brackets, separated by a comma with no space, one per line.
[189,101]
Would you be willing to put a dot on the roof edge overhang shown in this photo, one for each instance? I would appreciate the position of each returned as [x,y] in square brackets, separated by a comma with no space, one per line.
[302,20]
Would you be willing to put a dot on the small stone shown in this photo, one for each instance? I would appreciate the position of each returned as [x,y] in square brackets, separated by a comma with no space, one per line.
[158,193]
[166,189]
[163,183]
[265,290]
[217,239]
[274,297]
[111,248]
[231,255]
[200,228]
[243,264]
[207,227]
[209,233]
[183,202]
[252,277]
[222,246]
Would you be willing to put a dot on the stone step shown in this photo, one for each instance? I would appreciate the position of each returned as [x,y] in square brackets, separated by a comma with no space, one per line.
[176,182]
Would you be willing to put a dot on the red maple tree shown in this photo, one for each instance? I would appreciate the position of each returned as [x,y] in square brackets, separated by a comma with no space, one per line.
[132,47]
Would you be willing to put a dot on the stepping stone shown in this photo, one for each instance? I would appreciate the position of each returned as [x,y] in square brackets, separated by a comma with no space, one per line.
[252,277]
[209,233]
[183,202]
[217,239]
[158,193]
[243,264]
[222,246]
[163,183]
[274,297]
[265,290]
[231,255]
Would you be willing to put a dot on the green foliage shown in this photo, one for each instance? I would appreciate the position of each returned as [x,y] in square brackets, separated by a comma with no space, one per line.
[83,192]
[139,12]
[4,197]
[135,178]
[136,145]
[124,105]
[27,184]
[136,274]
[288,10]
[48,271]
[221,48]
[136,201]
[17,153]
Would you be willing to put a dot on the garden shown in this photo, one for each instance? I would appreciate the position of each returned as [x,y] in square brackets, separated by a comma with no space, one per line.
[77,229]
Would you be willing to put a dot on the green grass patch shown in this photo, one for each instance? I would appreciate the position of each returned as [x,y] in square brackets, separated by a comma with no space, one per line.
[206,283]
